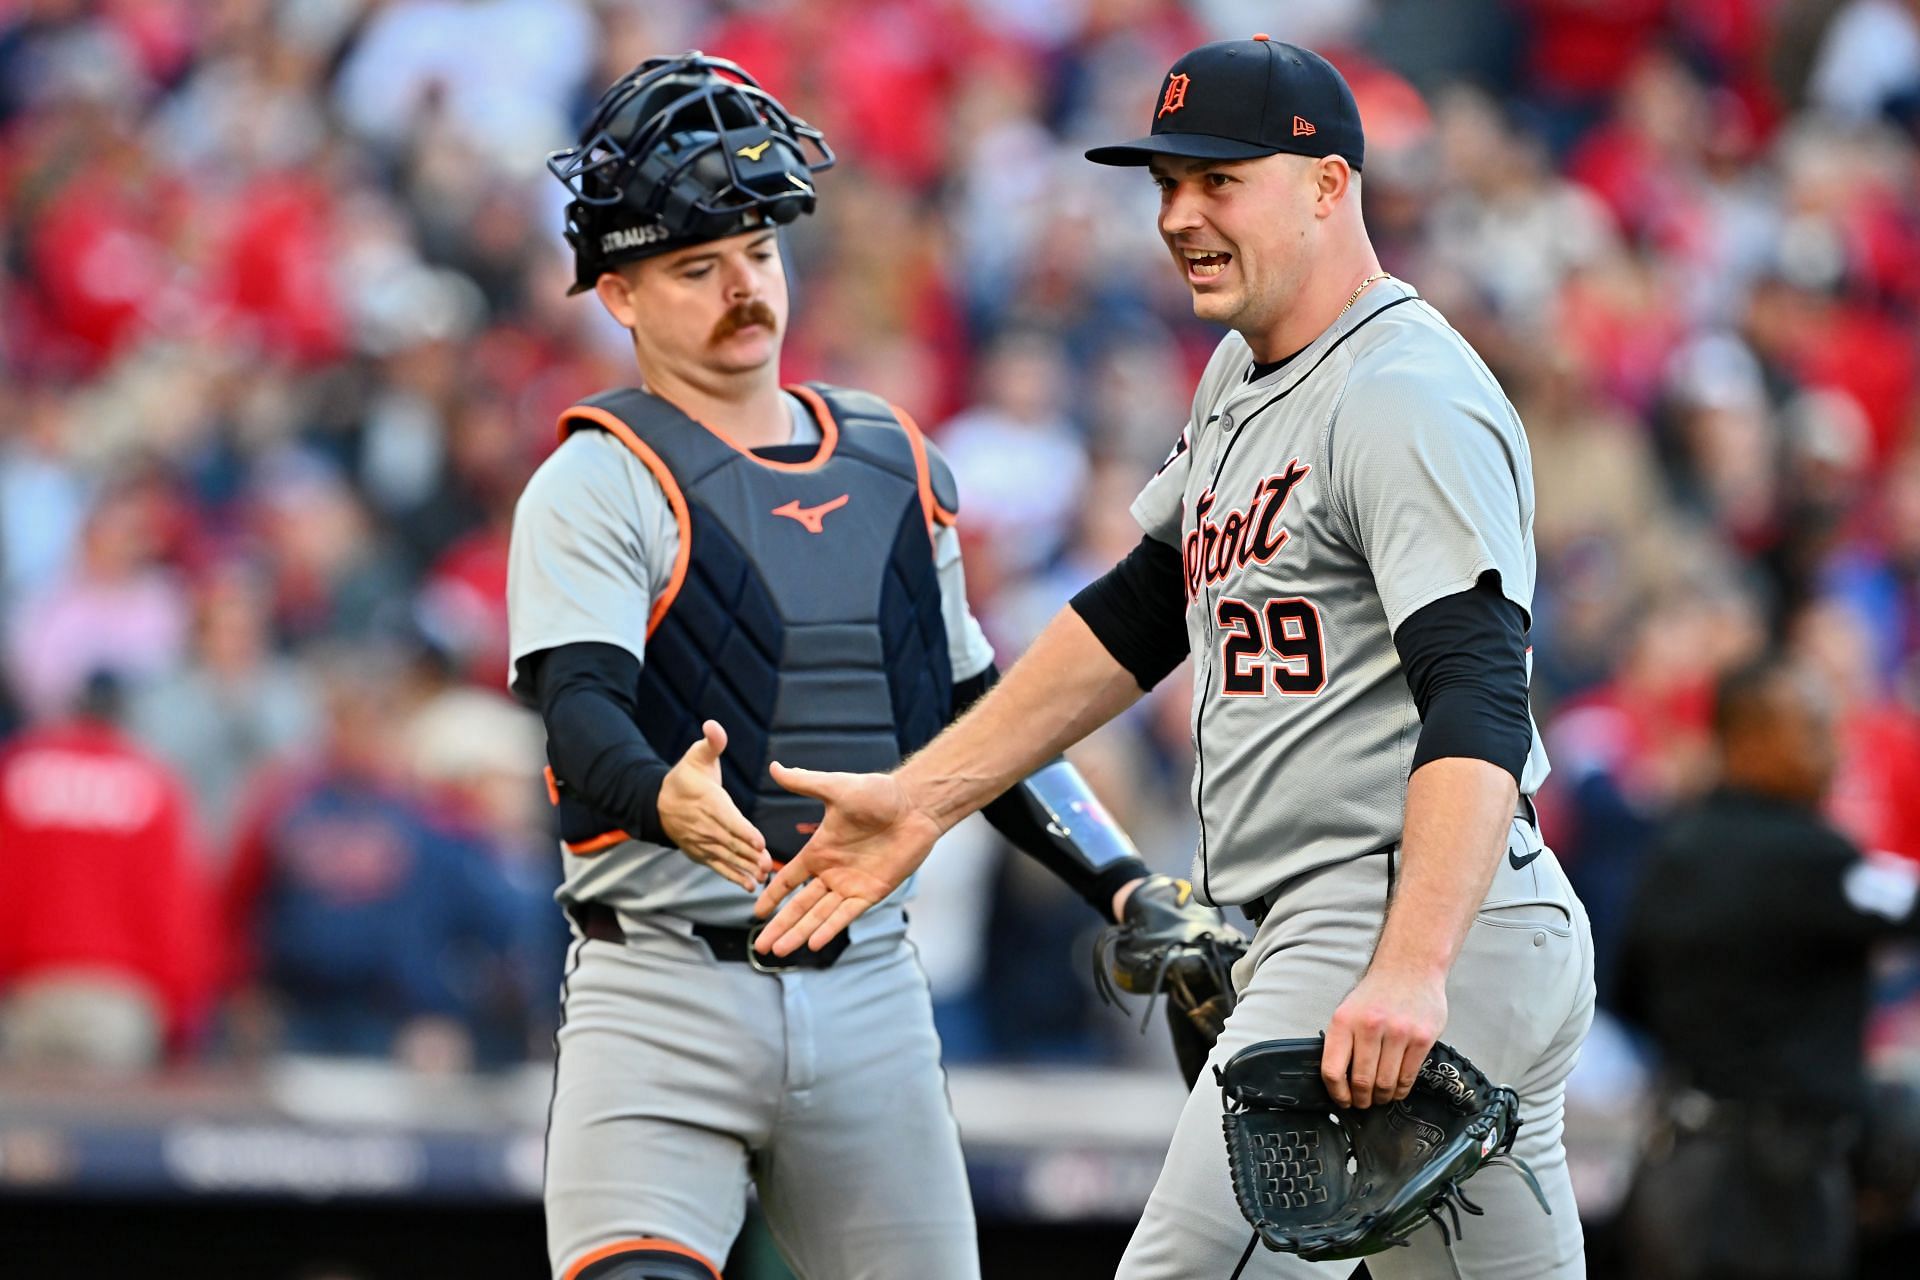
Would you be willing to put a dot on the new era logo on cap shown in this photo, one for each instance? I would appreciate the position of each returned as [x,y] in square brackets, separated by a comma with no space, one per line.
[1302,128]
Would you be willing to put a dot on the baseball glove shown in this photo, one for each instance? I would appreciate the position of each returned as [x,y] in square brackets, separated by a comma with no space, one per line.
[1327,1182]
[1169,943]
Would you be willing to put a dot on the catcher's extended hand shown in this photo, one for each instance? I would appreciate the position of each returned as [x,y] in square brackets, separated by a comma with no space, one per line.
[1171,943]
[1327,1182]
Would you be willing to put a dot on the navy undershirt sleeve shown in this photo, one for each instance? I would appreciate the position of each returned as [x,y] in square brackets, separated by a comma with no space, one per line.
[588,697]
[1465,656]
[1137,610]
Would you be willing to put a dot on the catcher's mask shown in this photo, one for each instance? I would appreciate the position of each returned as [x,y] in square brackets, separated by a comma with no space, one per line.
[679,151]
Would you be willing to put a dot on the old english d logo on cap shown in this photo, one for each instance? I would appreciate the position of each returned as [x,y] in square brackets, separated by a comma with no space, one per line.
[1258,97]
[1176,94]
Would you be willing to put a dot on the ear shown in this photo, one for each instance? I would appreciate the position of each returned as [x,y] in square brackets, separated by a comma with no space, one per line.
[615,291]
[1334,181]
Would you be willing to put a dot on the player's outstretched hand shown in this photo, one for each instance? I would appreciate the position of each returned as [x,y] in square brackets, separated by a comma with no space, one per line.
[702,820]
[871,839]
[1380,1036]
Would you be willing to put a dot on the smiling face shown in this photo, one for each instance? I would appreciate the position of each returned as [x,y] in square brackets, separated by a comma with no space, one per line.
[711,312]
[1241,233]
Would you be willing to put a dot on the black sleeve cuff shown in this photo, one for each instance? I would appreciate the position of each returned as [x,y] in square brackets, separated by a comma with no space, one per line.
[588,700]
[1465,657]
[1138,612]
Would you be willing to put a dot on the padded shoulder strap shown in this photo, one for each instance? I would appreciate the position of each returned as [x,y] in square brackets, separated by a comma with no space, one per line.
[626,414]
[688,449]
[878,429]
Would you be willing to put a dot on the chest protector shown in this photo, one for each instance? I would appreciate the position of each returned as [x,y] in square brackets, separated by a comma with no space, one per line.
[803,612]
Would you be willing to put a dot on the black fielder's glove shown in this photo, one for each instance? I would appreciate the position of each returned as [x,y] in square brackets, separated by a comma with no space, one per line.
[1329,1182]
[1169,943]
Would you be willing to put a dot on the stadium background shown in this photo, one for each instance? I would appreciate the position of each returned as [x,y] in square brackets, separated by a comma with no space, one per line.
[283,331]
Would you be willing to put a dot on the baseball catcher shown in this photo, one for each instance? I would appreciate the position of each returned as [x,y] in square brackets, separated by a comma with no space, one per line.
[1168,943]
[1330,1182]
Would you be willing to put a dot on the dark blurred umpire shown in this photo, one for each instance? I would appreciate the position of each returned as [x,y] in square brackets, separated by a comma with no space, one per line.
[1747,960]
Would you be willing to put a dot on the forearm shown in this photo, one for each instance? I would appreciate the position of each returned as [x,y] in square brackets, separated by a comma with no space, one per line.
[1053,817]
[1063,688]
[596,749]
[1458,813]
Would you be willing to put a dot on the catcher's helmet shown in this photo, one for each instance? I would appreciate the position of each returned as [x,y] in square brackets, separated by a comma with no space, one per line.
[678,151]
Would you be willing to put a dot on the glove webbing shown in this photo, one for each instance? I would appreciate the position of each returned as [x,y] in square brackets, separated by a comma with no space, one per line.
[1206,946]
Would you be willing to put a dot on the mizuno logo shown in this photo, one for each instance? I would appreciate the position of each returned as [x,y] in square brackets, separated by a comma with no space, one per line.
[811,518]
[754,153]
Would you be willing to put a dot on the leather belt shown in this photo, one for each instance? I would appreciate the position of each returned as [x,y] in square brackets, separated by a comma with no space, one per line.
[601,923]
[1258,909]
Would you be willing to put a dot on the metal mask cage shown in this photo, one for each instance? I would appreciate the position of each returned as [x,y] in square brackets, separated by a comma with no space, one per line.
[600,172]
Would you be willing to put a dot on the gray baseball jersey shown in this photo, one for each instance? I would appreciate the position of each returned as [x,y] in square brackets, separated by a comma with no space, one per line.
[594,542]
[1316,509]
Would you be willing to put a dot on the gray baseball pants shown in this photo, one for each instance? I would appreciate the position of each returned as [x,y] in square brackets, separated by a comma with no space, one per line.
[680,1078]
[1520,1000]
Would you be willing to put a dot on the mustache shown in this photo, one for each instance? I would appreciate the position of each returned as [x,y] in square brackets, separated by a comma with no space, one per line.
[739,316]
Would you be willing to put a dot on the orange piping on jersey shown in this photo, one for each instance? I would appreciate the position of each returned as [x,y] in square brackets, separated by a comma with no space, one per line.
[599,844]
[640,1244]
[675,499]
[553,785]
[922,472]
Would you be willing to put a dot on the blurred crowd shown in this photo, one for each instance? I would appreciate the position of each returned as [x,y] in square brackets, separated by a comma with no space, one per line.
[283,330]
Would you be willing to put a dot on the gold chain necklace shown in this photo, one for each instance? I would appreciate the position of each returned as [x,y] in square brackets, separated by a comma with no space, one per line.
[1362,289]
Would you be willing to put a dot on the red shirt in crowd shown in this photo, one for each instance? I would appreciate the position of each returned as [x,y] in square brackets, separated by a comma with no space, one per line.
[1874,798]
[98,869]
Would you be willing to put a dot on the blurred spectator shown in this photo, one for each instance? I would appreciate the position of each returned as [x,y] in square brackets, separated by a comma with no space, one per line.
[119,612]
[1747,962]
[1510,225]
[234,705]
[106,930]
[505,70]
[1627,752]
[1872,799]
[479,757]
[43,495]
[1020,465]
[1869,57]
[333,576]
[369,925]
[1878,574]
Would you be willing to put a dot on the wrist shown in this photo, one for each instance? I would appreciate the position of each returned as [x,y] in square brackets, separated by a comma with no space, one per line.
[1410,963]
[940,801]
[644,819]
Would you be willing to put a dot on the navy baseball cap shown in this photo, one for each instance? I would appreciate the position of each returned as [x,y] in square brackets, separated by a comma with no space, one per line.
[1241,99]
